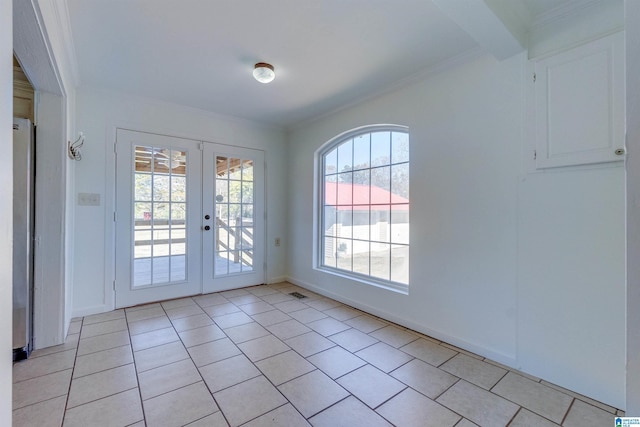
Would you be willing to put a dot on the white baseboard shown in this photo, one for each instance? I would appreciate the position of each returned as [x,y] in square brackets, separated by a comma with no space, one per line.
[504,359]
[88,311]
[278,279]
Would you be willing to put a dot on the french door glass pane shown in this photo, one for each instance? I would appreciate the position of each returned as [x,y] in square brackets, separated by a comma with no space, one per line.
[234,215]
[159,216]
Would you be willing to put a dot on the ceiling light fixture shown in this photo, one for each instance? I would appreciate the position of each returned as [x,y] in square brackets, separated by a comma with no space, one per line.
[263,72]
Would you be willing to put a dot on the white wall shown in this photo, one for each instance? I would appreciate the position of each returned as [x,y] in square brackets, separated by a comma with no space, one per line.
[632,16]
[571,289]
[6,209]
[465,155]
[478,277]
[99,112]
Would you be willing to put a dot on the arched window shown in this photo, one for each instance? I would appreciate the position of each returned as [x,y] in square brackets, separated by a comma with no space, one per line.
[364,205]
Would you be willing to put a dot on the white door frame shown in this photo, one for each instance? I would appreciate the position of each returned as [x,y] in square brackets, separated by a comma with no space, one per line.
[50,72]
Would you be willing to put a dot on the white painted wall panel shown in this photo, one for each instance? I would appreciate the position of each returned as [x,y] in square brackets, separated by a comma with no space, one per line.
[99,112]
[572,273]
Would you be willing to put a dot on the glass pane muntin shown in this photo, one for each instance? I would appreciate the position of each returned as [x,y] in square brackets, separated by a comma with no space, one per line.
[159,216]
[234,206]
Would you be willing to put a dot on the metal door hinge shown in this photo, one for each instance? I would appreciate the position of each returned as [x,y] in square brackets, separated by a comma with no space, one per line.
[114,285]
[535,154]
[534,77]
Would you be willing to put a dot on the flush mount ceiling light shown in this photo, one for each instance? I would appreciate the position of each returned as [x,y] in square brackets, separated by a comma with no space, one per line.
[264,73]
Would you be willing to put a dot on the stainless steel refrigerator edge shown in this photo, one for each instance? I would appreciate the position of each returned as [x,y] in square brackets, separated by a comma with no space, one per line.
[23,220]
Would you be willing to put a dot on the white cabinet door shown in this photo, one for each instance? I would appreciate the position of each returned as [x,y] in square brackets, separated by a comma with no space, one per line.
[158,227]
[579,104]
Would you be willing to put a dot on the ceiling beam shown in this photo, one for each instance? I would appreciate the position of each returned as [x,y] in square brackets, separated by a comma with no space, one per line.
[495,25]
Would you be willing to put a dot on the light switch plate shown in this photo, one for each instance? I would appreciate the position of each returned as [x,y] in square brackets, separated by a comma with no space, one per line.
[88,199]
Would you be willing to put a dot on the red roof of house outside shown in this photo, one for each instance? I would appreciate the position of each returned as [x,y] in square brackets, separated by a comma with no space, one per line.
[349,195]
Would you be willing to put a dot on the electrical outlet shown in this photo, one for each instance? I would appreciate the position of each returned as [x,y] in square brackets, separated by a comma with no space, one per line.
[277,241]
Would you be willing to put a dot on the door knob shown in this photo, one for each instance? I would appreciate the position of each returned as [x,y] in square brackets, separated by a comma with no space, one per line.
[207,216]
[207,228]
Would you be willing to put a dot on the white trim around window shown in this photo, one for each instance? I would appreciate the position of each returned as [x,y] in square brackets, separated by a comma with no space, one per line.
[361,210]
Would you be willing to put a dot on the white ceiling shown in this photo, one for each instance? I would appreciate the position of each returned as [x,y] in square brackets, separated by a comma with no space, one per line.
[326,53]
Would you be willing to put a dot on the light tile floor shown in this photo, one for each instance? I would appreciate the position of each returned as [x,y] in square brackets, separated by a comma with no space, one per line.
[260,357]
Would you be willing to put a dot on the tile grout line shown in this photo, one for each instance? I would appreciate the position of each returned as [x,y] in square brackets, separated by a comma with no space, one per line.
[568,410]
[198,367]
[327,337]
[582,398]
[135,369]
[103,370]
[393,396]
[349,394]
[529,409]
[292,379]
[444,391]
[103,397]
[497,382]
[75,358]
[462,417]
[514,416]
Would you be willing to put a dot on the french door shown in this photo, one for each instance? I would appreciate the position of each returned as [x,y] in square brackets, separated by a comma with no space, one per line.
[189,217]
[233,206]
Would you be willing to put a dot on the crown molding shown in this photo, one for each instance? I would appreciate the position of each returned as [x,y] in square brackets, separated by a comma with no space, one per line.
[563,11]
[424,74]
[64,26]
[60,36]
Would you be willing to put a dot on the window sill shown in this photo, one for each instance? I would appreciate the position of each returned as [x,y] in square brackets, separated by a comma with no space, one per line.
[399,288]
